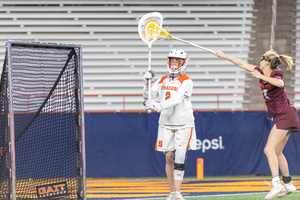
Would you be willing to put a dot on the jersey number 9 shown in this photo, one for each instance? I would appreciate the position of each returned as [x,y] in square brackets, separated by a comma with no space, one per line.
[168,95]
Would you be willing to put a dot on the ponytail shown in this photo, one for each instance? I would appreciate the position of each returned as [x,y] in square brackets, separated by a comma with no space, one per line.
[287,60]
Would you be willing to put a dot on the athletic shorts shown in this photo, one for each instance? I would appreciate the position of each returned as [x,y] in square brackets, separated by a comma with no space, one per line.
[169,140]
[288,120]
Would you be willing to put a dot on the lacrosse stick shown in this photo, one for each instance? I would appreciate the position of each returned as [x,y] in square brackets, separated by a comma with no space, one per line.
[154,31]
[150,18]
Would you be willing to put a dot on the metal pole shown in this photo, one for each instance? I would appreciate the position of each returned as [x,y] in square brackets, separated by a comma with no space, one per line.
[273,24]
[82,127]
[11,127]
[149,68]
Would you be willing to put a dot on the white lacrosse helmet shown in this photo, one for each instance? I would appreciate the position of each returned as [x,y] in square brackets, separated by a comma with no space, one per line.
[177,53]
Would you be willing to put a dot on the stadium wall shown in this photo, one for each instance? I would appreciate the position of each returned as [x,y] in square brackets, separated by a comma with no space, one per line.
[231,143]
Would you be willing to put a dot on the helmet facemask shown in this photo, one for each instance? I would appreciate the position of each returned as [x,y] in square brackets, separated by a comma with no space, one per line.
[177,71]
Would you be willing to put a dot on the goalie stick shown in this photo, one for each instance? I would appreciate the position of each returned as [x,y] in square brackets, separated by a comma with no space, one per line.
[150,18]
[152,30]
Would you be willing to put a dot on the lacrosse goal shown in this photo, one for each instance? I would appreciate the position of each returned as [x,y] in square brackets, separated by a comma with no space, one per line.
[42,151]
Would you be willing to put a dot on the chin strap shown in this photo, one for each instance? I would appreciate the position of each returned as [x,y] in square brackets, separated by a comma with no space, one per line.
[172,77]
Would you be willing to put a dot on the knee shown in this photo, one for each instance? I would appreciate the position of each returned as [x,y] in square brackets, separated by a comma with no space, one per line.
[267,151]
[278,153]
[270,151]
[170,159]
[179,160]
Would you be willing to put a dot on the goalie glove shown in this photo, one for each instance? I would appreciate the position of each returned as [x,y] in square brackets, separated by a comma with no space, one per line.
[149,75]
[152,105]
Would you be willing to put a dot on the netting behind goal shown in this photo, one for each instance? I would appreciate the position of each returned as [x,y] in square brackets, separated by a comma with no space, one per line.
[4,138]
[45,86]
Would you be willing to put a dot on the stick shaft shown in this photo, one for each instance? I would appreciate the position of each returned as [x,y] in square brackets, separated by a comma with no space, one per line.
[181,40]
[149,68]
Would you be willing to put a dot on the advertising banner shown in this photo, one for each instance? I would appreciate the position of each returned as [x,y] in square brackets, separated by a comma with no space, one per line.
[230,143]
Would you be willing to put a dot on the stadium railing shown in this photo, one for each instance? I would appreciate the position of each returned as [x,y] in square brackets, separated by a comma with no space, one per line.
[202,102]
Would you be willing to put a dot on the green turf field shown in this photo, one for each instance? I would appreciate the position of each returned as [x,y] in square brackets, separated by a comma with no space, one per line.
[260,196]
[245,197]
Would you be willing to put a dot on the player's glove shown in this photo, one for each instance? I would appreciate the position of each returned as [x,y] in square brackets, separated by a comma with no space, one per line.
[149,75]
[152,105]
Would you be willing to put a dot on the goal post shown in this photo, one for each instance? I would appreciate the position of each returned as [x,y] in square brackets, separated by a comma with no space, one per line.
[43,142]
[5,164]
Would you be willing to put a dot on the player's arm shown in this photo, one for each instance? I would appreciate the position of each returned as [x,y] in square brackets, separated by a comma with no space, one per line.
[158,107]
[235,61]
[273,81]
[184,90]
[151,104]
[154,92]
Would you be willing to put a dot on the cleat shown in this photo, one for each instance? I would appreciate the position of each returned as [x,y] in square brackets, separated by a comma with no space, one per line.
[178,196]
[276,189]
[289,188]
[170,196]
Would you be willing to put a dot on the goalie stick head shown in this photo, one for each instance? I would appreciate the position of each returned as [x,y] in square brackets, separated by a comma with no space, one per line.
[147,25]
[179,70]
[154,31]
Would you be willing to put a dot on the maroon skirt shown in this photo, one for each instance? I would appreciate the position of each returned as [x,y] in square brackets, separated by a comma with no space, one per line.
[288,120]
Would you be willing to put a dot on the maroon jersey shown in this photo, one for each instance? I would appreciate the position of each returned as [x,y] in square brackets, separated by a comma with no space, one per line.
[275,97]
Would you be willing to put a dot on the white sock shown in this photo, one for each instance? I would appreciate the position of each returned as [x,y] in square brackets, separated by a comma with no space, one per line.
[275,180]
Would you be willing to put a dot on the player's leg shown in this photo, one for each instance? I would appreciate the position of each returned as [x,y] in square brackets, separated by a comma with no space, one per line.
[179,167]
[283,166]
[183,140]
[165,143]
[276,139]
[170,169]
[282,162]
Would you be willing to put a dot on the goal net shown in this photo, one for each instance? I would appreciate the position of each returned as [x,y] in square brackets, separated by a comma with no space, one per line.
[42,130]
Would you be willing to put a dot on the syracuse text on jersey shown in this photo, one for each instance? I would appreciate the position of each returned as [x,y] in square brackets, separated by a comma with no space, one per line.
[169,88]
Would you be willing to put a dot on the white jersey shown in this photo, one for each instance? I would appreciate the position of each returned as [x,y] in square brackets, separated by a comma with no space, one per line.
[175,99]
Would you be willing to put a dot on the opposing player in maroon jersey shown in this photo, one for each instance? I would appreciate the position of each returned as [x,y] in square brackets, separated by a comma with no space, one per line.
[280,107]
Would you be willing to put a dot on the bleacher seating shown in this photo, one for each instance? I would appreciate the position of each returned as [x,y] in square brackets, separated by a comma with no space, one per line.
[115,58]
[297,54]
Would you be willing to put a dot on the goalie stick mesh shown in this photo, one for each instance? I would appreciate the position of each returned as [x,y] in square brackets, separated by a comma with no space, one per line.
[144,23]
[150,28]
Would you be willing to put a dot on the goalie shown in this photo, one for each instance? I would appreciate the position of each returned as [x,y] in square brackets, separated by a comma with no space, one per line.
[176,130]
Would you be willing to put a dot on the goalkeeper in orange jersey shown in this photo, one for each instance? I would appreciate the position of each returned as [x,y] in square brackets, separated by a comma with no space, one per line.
[176,131]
